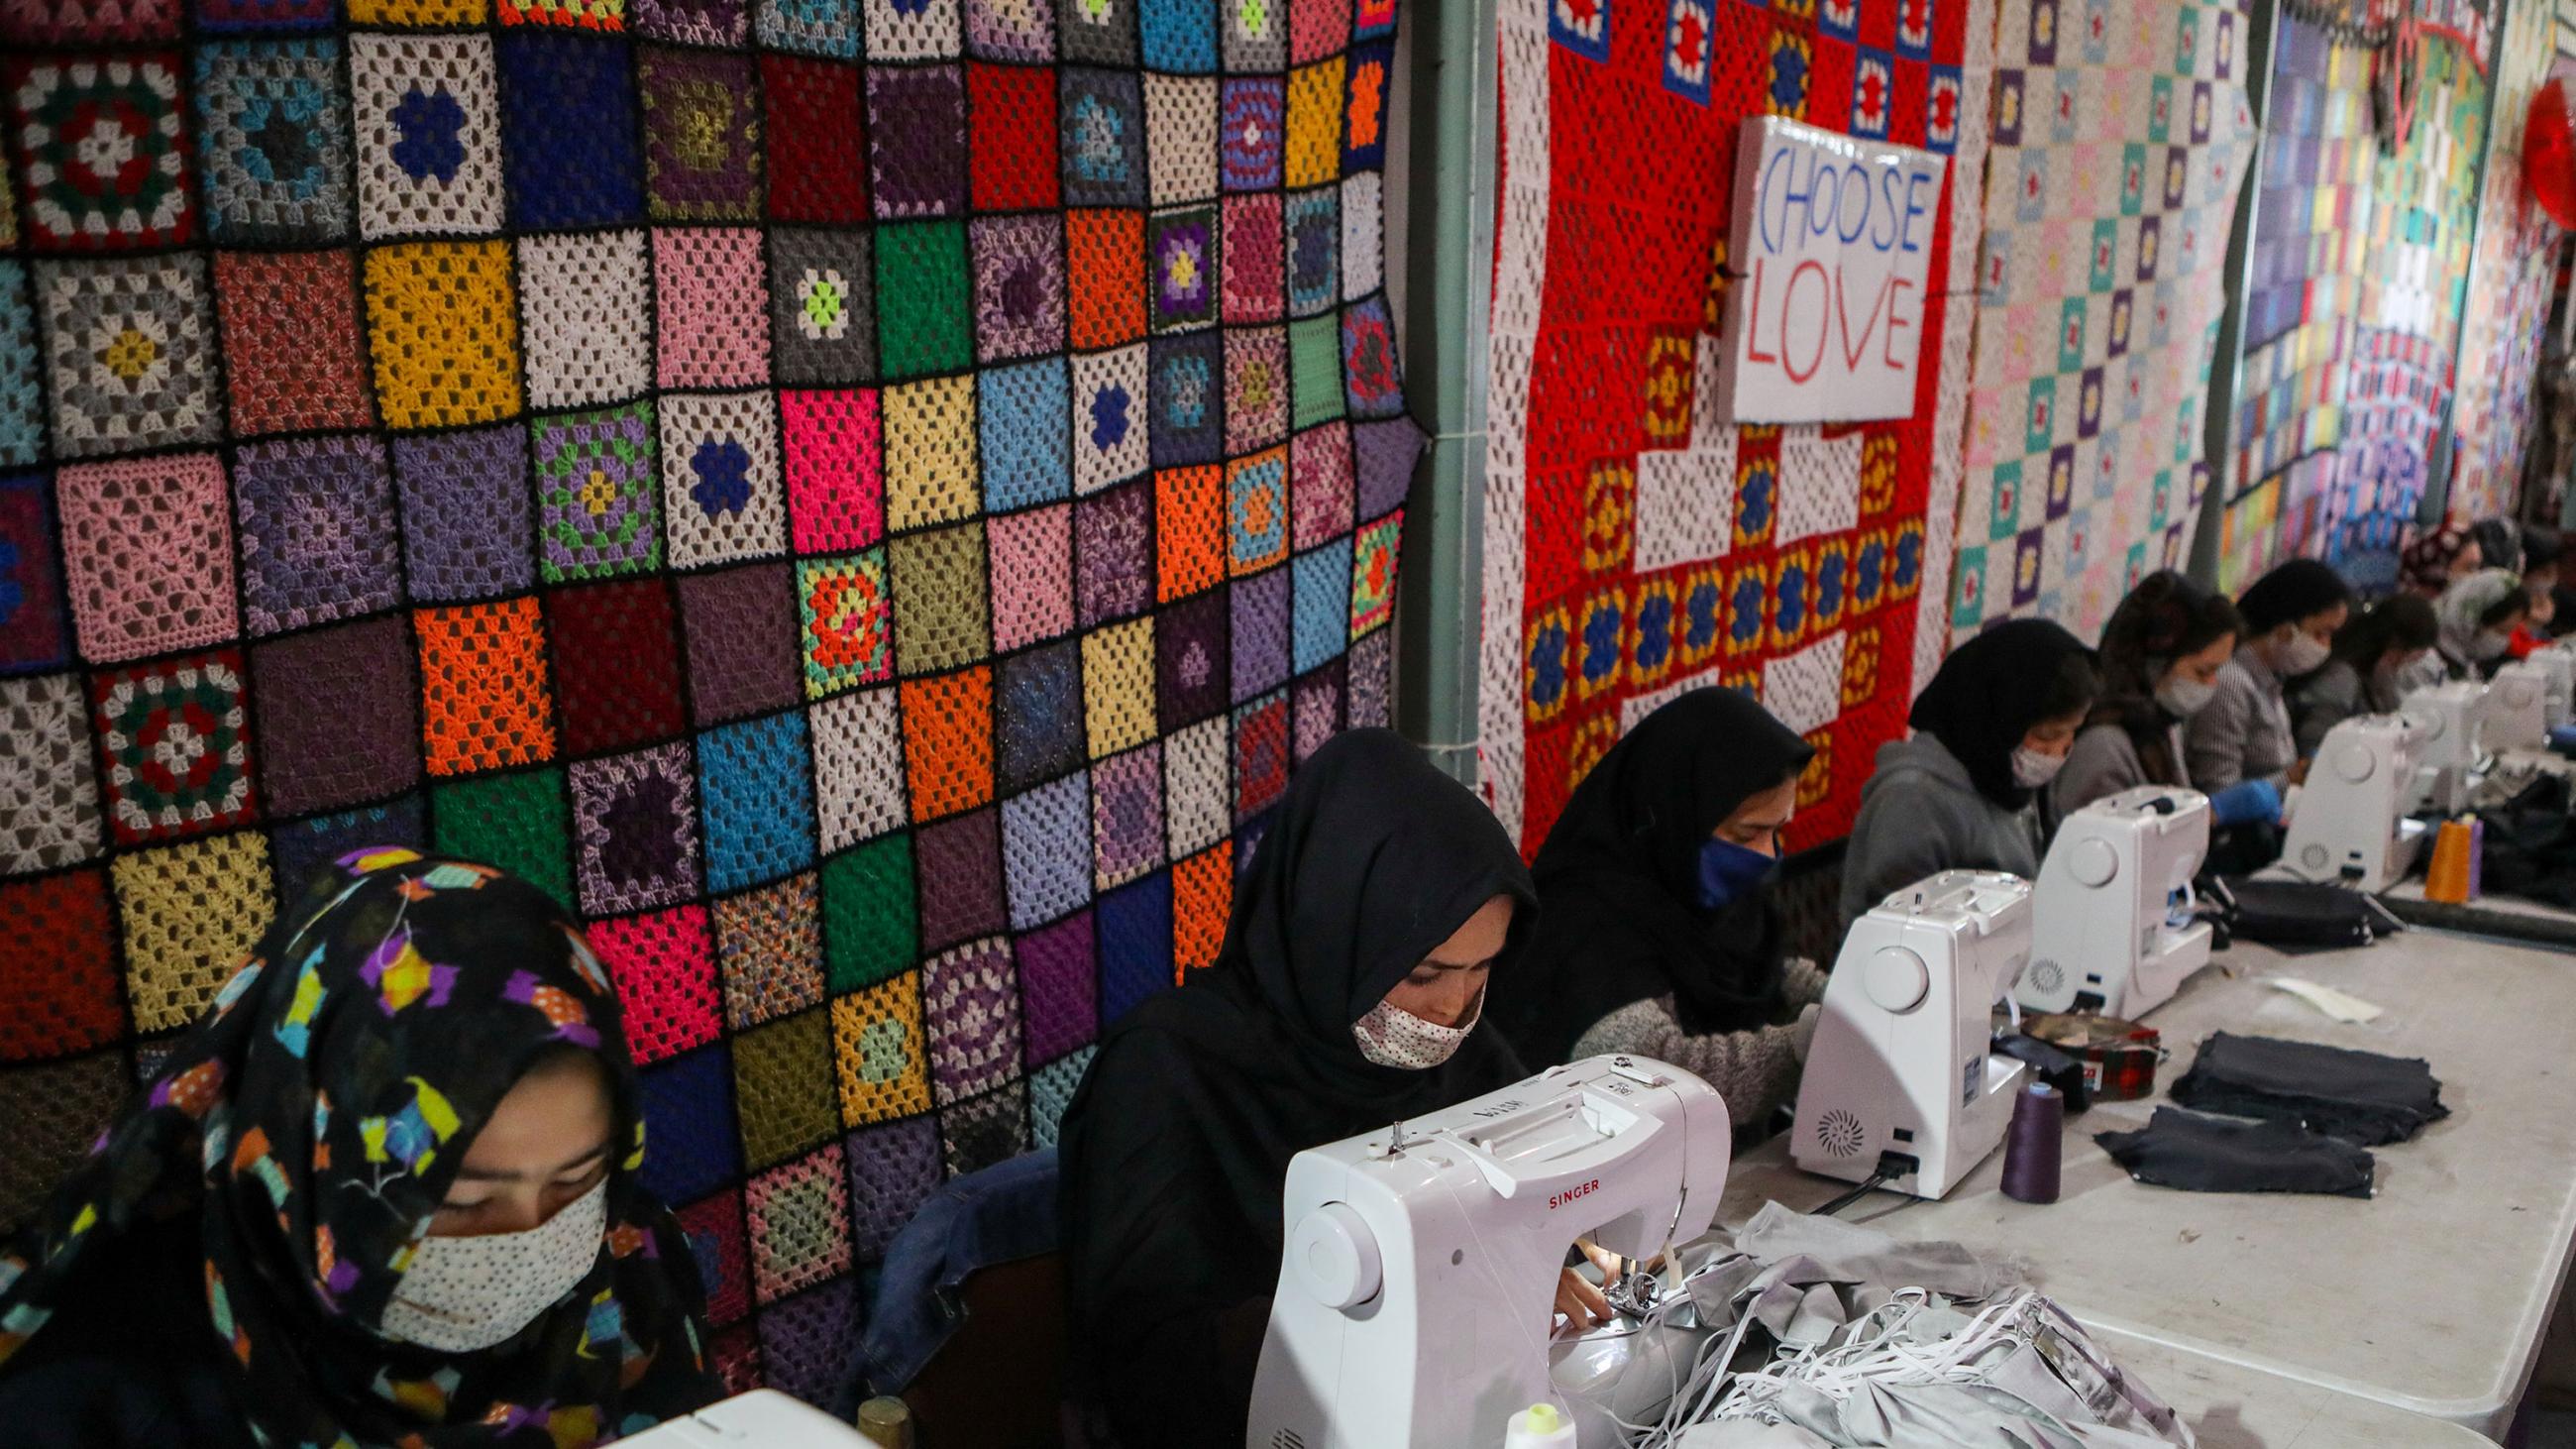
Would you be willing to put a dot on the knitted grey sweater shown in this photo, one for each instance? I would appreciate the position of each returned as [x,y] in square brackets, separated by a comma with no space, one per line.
[1754,1071]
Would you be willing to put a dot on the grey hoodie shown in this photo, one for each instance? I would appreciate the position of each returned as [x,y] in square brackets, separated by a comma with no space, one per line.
[1919,815]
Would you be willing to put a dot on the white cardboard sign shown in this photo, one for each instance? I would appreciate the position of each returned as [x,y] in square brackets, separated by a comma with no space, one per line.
[1830,260]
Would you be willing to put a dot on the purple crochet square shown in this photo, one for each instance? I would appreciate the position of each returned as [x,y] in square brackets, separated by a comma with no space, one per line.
[702,134]
[718,23]
[338,716]
[317,531]
[805,1341]
[1114,547]
[1261,634]
[960,863]
[637,818]
[1384,454]
[1371,663]
[970,1007]
[1315,703]
[466,513]
[1192,679]
[1019,286]
[742,631]
[917,141]
[1059,988]
[1127,815]
[892,1168]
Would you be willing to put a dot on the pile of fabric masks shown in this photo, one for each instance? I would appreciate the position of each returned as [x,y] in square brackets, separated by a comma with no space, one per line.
[1803,1332]
[2313,1110]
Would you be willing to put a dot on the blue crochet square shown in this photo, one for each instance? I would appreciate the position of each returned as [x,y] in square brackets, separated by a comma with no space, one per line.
[1135,925]
[758,794]
[1323,604]
[561,175]
[688,1118]
[305,850]
[1046,850]
[1022,414]
[1180,35]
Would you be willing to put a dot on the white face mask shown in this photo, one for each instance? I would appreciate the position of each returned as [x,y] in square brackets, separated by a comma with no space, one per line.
[2304,653]
[2489,646]
[1391,1036]
[2033,770]
[461,1295]
[2183,698]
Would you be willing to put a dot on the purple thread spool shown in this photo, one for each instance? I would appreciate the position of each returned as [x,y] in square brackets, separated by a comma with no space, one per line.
[2031,1144]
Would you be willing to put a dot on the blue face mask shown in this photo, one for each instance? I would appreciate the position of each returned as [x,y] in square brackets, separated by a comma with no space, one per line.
[1729,872]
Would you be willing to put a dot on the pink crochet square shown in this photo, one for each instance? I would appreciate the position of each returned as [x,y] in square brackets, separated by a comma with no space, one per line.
[664,965]
[711,297]
[835,469]
[148,550]
[1032,566]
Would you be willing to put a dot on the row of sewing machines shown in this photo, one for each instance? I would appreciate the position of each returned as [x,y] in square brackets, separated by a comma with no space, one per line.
[1421,1260]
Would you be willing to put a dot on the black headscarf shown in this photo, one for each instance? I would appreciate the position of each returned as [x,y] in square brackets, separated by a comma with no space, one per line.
[1618,879]
[1176,1148]
[312,1122]
[1989,693]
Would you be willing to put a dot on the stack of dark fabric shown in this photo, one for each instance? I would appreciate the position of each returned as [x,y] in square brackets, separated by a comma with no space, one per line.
[2313,1109]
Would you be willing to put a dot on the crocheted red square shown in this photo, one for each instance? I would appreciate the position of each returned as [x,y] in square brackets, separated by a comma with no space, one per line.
[337,719]
[58,982]
[34,632]
[664,965]
[1014,154]
[713,1228]
[1260,757]
[617,665]
[812,129]
[174,746]
[67,22]
[292,359]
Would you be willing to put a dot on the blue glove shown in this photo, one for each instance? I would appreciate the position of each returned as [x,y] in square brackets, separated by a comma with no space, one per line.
[2247,802]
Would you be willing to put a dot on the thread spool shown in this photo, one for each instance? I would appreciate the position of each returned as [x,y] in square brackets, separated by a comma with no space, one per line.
[1540,1426]
[2446,880]
[886,1421]
[2032,1144]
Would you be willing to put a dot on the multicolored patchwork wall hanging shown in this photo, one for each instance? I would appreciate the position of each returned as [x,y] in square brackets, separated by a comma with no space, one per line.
[2312,217]
[2509,287]
[2121,135]
[1636,544]
[866,499]
[2414,293]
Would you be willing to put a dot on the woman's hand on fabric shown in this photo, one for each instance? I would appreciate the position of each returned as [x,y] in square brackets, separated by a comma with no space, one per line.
[1578,1302]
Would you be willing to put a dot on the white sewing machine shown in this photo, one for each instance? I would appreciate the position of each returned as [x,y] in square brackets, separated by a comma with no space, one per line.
[764,1417]
[2447,758]
[1900,1078]
[2106,934]
[2515,713]
[1417,1286]
[2557,666]
[2352,823]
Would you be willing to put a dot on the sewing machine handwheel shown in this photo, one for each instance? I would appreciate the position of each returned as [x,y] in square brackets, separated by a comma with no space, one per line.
[1335,1256]
[2353,762]
[1896,979]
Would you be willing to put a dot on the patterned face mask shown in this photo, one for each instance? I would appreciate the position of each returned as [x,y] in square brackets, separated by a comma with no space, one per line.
[462,1295]
[1391,1036]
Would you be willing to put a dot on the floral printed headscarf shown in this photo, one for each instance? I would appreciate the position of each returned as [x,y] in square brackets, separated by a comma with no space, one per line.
[312,1122]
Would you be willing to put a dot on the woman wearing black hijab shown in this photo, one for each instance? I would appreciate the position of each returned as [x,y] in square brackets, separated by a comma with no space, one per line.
[1990,732]
[1657,934]
[1345,998]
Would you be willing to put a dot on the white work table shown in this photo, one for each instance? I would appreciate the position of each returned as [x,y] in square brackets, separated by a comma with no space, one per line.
[2430,1298]
[2230,1406]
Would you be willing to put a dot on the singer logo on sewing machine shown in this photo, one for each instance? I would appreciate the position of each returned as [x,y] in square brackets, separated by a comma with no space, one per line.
[1571,1193]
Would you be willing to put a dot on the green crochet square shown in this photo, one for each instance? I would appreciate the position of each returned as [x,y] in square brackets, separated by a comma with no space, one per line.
[1315,369]
[517,822]
[870,930]
[925,303]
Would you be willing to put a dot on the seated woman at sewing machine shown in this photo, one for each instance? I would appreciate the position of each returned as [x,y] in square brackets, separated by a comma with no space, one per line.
[2437,559]
[2373,653]
[1346,996]
[1657,933]
[385,1190]
[2541,575]
[2161,653]
[1990,732]
[2291,615]
[2474,622]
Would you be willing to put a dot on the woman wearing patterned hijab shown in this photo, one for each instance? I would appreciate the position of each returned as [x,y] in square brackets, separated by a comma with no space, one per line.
[384,1193]
[2439,559]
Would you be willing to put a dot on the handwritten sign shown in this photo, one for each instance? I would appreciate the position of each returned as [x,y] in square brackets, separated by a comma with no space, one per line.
[1830,261]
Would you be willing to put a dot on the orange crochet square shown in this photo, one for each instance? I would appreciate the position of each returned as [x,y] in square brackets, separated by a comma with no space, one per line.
[443,320]
[948,742]
[484,702]
[1202,894]
[1189,531]
[1107,249]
